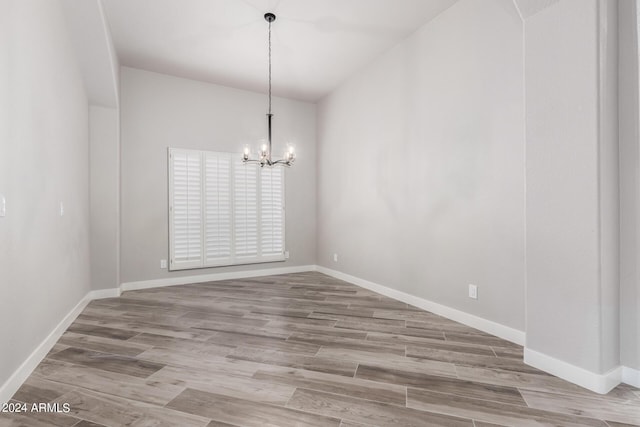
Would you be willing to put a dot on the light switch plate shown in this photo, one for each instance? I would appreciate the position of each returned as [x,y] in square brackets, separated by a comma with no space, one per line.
[3,206]
[163,263]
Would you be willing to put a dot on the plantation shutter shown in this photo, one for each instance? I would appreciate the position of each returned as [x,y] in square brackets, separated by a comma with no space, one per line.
[223,211]
[245,209]
[272,212]
[185,205]
[218,227]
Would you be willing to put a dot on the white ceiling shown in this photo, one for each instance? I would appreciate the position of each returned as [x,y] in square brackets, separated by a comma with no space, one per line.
[316,43]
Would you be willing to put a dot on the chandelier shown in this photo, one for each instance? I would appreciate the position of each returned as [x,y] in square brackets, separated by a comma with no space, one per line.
[265,148]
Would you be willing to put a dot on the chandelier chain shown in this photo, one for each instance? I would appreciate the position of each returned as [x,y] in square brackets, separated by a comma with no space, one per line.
[269,67]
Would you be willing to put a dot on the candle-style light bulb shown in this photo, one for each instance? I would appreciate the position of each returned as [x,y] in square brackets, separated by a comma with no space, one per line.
[246,153]
[290,154]
[263,149]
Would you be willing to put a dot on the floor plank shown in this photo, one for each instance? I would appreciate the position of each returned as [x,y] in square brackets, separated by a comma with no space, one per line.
[441,384]
[410,364]
[108,382]
[101,344]
[390,329]
[355,387]
[477,423]
[615,424]
[284,345]
[100,331]
[40,390]
[329,365]
[246,413]
[369,412]
[350,343]
[108,362]
[481,339]
[85,423]
[469,359]
[525,380]
[166,342]
[622,411]
[437,343]
[113,411]
[493,412]
[235,385]
[186,359]
[37,420]
[289,328]
[149,327]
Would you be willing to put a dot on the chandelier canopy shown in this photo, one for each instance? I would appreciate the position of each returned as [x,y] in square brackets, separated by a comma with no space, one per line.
[265,148]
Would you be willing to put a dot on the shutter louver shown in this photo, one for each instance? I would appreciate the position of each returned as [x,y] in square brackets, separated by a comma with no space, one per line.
[186,212]
[217,209]
[271,212]
[245,209]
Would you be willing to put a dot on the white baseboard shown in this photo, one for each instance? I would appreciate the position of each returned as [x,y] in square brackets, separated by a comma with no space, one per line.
[182,280]
[599,383]
[104,293]
[12,385]
[488,326]
[631,376]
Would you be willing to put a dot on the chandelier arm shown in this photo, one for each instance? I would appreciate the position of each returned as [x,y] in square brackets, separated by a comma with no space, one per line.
[282,162]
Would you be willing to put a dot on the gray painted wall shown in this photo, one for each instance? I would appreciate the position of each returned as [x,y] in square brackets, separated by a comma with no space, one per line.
[44,257]
[572,207]
[608,189]
[159,111]
[629,185]
[104,169]
[421,165]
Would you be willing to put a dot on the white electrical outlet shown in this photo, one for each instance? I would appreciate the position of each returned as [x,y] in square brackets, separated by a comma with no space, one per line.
[473,291]
[286,254]
[163,263]
[335,257]
[3,206]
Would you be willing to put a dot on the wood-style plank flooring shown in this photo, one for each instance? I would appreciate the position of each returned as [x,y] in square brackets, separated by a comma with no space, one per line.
[295,350]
